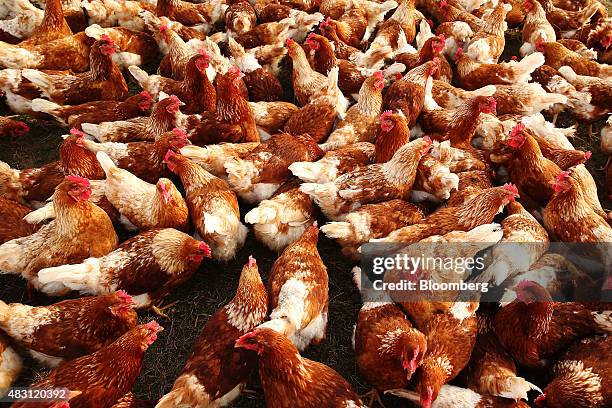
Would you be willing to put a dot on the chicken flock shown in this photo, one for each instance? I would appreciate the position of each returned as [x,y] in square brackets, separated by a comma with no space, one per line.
[388,121]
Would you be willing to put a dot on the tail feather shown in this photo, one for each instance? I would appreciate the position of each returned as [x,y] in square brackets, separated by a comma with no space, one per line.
[337,230]
[107,164]
[39,79]
[516,388]
[95,31]
[261,215]
[140,75]
[93,146]
[83,277]
[604,320]
[307,171]
[94,130]
[5,311]
[43,105]
[12,56]
[42,214]
[373,59]
[524,68]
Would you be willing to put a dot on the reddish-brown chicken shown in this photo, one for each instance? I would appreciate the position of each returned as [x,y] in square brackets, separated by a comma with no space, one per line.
[290,380]
[69,329]
[533,328]
[213,207]
[103,81]
[80,230]
[104,376]
[233,120]
[96,111]
[216,371]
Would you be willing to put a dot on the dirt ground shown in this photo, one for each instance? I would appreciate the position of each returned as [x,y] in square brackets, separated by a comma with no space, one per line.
[215,284]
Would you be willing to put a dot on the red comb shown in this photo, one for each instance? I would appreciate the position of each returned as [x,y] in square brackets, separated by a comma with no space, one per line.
[519,127]
[169,154]
[252,261]
[442,38]
[563,175]
[105,37]
[203,52]
[540,400]
[430,22]
[428,140]
[163,28]
[205,248]
[511,188]
[290,42]
[179,132]
[459,53]
[145,95]
[77,132]
[123,295]
[385,114]
[153,326]
[587,155]
[175,99]
[379,75]
[78,180]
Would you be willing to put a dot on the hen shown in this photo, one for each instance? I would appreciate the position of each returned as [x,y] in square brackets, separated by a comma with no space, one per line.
[359,124]
[35,184]
[143,159]
[195,90]
[233,119]
[334,163]
[103,81]
[104,376]
[259,174]
[388,349]
[96,111]
[80,230]
[280,220]
[190,14]
[213,157]
[298,288]
[143,205]
[491,369]
[524,242]
[536,26]
[68,329]
[216,372]
[478,210]
[213,207]
[408,93]
[290,380]
[393,133]
[147,266]
[487,44]
[570,218]
[166,115]
[473,75]
[580,377]
[533,328]
[371,221]
[558,55]
[369,184]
